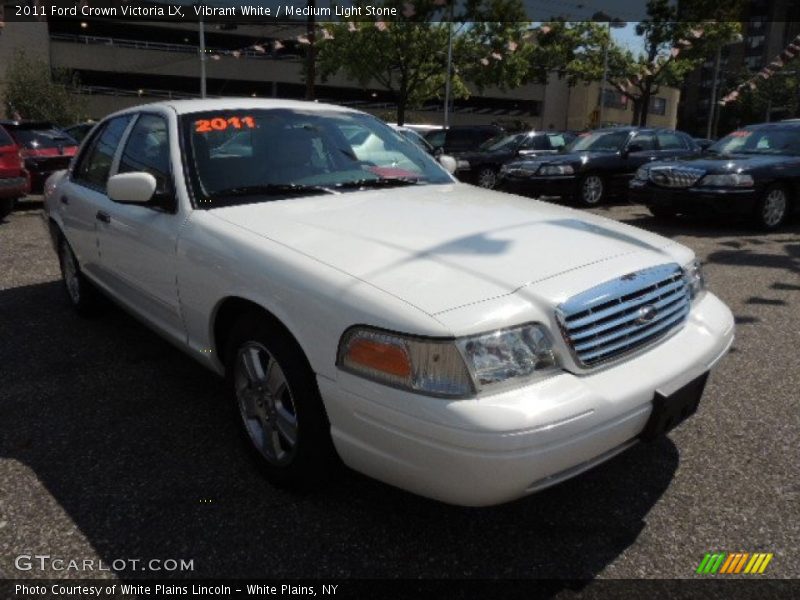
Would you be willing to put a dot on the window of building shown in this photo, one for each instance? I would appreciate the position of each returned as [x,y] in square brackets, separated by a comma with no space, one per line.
[614,99]
[658,106]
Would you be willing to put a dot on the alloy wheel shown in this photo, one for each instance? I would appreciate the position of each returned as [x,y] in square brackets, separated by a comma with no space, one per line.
[773,209]
[70,272]
[266,403]
[592,190]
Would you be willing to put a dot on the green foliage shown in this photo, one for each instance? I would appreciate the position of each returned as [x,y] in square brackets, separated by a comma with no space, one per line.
[638,77]
[35,92]
[409,56]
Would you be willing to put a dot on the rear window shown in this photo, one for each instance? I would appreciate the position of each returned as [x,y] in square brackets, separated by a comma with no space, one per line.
[5,139]
[43,138]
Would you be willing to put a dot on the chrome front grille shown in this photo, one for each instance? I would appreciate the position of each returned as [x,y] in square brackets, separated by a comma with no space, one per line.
[675,177]
[624,314]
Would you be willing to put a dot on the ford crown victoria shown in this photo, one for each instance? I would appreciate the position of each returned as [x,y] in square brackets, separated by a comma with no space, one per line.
[366,308]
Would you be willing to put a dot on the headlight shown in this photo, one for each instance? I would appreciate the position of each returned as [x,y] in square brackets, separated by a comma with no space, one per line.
[556,170]
[693,275]
[448,368]
[462,164]
[727,180]
[642,174]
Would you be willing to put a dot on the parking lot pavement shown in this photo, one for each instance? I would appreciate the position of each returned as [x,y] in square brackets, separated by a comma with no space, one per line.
[114,445]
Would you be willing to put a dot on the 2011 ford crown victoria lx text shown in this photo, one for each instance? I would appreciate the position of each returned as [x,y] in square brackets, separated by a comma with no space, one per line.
[463,344]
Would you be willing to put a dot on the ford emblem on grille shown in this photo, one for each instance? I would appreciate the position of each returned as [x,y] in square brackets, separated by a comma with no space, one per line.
[646,314]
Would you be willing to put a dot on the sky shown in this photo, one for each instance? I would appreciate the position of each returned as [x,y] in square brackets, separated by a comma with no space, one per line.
[627,37]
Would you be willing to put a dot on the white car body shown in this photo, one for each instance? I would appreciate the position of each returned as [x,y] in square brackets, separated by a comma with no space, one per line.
[443,261]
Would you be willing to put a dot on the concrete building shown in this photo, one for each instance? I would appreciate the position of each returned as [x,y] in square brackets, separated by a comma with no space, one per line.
[121,63]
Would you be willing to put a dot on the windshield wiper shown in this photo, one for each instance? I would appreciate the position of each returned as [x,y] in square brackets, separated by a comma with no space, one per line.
[379,182]
[270,189]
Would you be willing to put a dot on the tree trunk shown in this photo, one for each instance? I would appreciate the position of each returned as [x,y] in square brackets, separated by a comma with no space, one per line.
[645,105]
[636,110]
[402,100]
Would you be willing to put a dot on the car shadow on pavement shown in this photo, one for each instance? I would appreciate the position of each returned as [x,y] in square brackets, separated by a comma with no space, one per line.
[138,446]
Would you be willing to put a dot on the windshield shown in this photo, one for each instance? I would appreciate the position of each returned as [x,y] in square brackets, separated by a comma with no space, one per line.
[264,154]
[766,140]
[599,141]
[502,142]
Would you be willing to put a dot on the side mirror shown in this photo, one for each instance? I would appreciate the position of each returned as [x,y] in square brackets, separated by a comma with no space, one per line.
[448,162]
[132,188]
[704,145]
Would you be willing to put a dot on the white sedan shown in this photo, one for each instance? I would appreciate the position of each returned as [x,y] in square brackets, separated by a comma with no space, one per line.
[366,308]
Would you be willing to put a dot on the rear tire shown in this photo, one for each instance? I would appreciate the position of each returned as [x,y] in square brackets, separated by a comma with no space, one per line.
[82,295]
[278,405]
[6,206]
[772,208]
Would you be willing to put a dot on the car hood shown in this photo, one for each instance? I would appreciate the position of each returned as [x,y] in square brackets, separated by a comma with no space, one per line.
[439,247]
[734,162]
[571,158]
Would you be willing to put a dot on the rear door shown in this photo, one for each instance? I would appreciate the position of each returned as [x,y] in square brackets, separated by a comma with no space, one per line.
[82,197]
[672,144]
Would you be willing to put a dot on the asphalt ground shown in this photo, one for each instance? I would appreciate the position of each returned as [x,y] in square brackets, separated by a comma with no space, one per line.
[114,445]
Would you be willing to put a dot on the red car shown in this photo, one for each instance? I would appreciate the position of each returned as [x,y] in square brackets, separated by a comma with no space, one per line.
[14,179]
[43,147]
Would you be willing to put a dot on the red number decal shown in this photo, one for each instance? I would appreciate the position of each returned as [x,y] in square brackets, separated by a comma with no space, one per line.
[221,124]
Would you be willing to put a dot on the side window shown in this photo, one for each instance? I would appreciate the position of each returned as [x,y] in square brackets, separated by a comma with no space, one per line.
[539,142]
[557,140]
[147,149]
[670,141]
[94,164]
[436,139]
[646,140]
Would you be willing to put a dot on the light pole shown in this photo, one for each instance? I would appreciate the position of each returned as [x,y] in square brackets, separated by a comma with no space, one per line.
[713,115]
[601,17]
[203,57]
[449,66]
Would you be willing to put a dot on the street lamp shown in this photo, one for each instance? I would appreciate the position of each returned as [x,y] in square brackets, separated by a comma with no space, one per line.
[616,23]
[713,115]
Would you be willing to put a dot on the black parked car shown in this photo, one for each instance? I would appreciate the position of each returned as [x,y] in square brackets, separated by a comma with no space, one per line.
[461,138]
[753,172]
[481,166]
[79,130]
[596,164]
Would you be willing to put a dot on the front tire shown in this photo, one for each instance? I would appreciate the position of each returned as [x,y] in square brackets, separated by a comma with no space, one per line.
[662,213]
[82,295]
[591,190]
[280,410]
[772,208]
[487,178]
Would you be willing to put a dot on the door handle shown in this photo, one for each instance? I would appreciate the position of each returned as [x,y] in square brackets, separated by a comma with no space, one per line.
[103,216]
[64,200]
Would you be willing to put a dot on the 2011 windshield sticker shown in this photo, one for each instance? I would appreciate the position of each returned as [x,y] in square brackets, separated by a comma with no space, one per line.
[223,123]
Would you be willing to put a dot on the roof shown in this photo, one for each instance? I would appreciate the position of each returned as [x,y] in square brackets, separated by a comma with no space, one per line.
[237,103]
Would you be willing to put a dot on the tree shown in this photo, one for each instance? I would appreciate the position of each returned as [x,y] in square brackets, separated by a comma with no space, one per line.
[33,91]
[409,56]
[674,45]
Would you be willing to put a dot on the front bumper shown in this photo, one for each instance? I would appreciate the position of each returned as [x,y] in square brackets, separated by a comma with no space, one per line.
[556,185]
[500,447]
[719,201]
